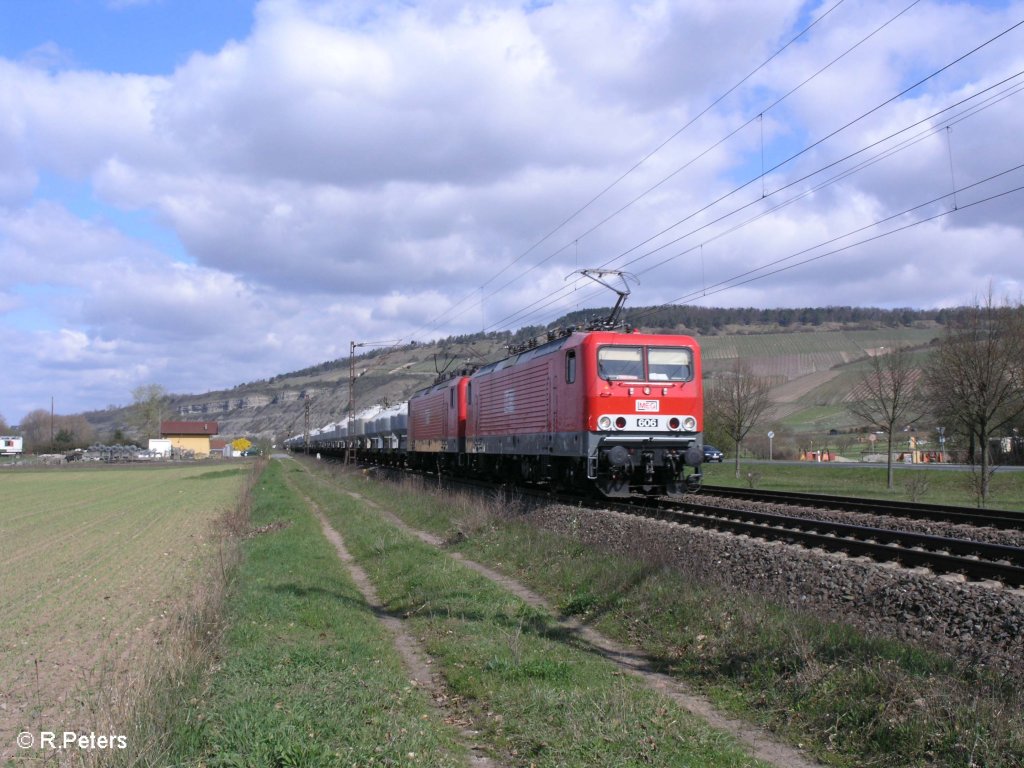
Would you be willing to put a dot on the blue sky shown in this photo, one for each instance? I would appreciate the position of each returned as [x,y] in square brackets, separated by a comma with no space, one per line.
[198,194]
[146,37]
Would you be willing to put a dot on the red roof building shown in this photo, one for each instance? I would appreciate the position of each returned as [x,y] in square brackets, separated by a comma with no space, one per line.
[170,428]
[193,436]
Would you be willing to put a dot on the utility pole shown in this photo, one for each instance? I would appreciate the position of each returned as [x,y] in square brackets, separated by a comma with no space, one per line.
[350,409]
[305,426]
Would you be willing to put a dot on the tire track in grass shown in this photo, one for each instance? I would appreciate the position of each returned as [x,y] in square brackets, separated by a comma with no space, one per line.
[304,674]
[761,743]
[413,656]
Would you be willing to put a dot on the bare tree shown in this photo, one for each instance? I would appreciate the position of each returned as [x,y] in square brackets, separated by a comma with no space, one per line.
[149,402]
[35,428]
[887,395]
[735,402]
[44,431]
[976,377]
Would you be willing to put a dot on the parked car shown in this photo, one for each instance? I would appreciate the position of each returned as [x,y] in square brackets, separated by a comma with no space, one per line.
[712,454]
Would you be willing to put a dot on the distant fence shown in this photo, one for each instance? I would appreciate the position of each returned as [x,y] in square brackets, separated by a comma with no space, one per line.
[116,454]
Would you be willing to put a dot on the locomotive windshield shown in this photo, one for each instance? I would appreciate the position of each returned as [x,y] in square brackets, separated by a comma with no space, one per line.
[620,363]
[615,363]
[669,364]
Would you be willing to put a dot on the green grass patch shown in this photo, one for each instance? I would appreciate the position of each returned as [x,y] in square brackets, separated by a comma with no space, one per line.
[850,699]
[526,684]
[308,676]
[219,473]
[941,486]
[815,418]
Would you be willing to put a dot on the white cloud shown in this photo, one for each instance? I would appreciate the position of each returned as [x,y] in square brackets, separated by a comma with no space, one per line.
[365,170]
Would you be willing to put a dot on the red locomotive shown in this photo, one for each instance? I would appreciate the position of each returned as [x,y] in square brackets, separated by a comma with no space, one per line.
[617,411]
[620,411]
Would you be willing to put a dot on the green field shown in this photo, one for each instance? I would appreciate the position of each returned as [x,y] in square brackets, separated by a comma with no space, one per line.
[96,564]
[820,346]
[812,374]
[935,486]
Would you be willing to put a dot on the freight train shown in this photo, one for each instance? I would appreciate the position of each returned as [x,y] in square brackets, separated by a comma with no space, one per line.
[619,412]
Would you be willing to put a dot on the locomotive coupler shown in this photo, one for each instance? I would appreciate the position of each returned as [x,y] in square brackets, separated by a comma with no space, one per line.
[648,462]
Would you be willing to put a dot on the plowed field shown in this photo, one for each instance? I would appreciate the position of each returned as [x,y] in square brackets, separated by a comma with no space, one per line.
[95,562]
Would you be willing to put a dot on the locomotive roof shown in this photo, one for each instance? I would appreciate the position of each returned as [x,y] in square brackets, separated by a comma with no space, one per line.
[529,354]
[534,352]
[555,344]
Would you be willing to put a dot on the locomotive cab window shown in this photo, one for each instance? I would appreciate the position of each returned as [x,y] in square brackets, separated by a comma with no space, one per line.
[620,363]
[669,364]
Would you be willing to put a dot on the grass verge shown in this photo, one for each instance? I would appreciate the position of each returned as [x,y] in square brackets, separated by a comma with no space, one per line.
[305,674]
[851,700]
[535,693]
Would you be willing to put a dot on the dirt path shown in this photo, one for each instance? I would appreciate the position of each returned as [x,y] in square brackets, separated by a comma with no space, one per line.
[413,657]
[761,743]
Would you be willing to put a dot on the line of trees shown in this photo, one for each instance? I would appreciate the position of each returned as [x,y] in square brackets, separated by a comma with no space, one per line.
[972,382]
[55,433]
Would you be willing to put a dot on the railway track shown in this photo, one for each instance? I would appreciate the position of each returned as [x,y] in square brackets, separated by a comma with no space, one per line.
[974,560]
[994,518]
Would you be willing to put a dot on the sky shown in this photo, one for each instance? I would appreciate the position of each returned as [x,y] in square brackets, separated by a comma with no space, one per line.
[199,194]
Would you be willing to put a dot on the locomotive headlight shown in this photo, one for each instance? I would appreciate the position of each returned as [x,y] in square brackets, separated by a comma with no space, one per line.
[689,424]
[604,423]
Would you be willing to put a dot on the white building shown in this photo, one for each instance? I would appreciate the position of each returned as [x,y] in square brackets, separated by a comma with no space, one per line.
[11,445]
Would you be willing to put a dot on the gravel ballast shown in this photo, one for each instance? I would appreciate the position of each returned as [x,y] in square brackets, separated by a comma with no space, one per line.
[977,622]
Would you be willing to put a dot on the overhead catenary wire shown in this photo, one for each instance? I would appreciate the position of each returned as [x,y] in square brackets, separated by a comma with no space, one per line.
[761,176]
[432,323]
[543,302]
[780,265]
[679,169]
[776,167]
[749,277]
[825,138]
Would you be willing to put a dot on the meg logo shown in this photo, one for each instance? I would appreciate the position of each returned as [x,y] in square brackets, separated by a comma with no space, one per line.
[648,406]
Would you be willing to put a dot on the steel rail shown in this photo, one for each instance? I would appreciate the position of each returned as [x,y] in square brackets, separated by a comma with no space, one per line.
[974,560]
[994,518]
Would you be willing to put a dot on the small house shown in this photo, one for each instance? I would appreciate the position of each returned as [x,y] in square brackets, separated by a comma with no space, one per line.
[219,447]
[190,435]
